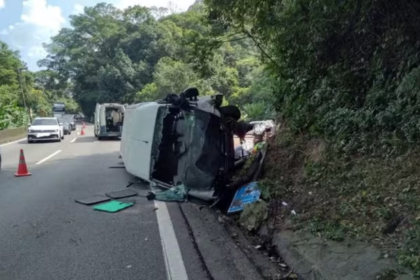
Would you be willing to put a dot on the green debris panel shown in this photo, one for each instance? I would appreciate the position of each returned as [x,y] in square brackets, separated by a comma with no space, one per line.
[113,206]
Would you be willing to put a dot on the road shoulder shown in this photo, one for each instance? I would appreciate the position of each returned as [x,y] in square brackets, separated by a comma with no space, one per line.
[12,135]
[223,258]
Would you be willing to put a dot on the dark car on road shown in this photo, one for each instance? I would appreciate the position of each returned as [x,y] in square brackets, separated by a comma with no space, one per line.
[70,119]
[66,126]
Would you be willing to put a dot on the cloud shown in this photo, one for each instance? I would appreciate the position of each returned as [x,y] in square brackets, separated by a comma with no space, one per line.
[39,22]
[178,5]
[77,9]
[39,13]
[6,30]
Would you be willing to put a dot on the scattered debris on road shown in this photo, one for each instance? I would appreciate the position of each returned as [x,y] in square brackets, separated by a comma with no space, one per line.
[174,194]
[113,206]
[122,194]
[94,199]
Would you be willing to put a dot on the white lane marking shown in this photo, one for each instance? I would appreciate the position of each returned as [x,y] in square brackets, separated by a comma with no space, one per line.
[48,157]
[10,143]
[72,141]
[175,268]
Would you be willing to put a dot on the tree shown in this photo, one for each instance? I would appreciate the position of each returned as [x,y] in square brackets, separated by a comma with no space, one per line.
[138,54]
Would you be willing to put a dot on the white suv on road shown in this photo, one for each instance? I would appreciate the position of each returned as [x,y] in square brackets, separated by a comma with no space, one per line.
[43,129]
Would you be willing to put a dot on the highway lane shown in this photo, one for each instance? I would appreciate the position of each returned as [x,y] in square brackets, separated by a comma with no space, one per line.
[34,152]
[44,234]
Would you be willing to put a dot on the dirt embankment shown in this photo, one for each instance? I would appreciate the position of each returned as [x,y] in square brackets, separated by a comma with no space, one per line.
[335,197]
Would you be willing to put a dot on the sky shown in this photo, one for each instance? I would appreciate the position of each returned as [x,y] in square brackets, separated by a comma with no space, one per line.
[26,24]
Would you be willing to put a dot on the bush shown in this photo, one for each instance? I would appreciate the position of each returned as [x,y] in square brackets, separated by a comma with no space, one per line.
[258,111]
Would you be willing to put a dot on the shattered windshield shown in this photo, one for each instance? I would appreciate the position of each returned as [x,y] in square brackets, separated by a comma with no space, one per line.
[187,148]
[204,153]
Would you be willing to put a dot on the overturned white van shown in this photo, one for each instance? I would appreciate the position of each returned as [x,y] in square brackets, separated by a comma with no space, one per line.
[180,140]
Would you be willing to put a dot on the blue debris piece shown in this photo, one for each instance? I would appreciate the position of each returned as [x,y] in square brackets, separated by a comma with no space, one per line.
[247,194]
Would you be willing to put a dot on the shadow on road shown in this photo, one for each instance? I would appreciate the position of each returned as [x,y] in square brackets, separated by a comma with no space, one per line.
[38,142]
[85,139]
[110,139]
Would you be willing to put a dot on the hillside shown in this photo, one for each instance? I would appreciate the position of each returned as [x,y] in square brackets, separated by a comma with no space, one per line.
[347,93]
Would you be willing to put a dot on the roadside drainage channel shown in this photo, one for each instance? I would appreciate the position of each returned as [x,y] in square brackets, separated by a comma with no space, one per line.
[301,255]
[227,245]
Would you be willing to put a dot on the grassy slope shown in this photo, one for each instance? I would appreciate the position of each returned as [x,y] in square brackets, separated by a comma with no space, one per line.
[372,199]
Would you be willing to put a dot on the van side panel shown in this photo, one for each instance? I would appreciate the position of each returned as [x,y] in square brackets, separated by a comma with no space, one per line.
[137,138]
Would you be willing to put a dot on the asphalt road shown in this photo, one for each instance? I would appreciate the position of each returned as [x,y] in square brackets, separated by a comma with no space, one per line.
[44,234]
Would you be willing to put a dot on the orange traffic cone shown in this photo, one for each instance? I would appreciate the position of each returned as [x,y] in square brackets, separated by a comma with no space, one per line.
[82,132]
[22,168]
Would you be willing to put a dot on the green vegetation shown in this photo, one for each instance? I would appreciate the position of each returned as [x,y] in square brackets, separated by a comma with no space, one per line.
[36,91]
[134,55]
[347,93]
[345,71]
[12,113]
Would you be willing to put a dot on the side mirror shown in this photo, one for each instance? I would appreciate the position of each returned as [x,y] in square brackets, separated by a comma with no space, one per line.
[60,124]
[29,124]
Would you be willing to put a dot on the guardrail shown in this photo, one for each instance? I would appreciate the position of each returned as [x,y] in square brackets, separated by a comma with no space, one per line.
[13,134]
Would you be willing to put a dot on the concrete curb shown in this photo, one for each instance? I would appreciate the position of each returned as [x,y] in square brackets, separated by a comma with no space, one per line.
[222,257]
[316,259]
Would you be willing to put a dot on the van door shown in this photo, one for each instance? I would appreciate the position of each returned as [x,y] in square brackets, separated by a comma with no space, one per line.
[96,120]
